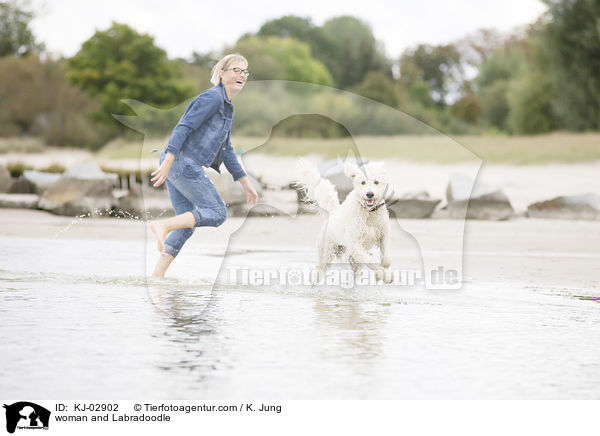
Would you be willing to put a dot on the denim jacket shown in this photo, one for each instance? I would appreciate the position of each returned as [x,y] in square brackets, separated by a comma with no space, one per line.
[204,132]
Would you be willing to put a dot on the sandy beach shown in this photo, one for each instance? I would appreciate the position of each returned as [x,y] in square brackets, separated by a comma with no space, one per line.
[552,255]
[524,324]
[545,253]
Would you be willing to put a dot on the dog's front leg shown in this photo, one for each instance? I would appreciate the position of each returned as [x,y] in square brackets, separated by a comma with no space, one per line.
[358,256]
[384,249]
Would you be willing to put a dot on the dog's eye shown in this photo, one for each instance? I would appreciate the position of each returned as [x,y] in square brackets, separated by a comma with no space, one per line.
[363,182]
[376,182]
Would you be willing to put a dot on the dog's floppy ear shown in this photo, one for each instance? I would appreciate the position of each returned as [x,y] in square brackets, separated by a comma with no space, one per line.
[350,169]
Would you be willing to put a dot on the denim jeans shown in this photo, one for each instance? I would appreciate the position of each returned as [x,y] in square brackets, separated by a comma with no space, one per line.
[190,190]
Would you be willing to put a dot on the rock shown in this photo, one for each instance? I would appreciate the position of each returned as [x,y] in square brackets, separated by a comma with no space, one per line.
[39,180]
[153,204]
[231,192]
[89,171]
[576,207]
[413,205]
[270,203]
[157,207]
[333,171]
[21,186]
[484,203]
[20,201]
[82,189]
[274,203]
[5,180]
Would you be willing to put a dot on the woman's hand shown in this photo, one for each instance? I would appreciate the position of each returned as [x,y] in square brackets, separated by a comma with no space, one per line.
[251,195]
[160,175]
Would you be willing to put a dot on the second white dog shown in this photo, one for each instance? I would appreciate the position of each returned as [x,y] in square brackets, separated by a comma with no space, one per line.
[356,226]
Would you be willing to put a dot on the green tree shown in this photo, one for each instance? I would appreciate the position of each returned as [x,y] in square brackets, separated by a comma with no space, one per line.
[503,64]
[345,45]
[530,102]
[438,66]
[572,39]
[349,50]
[282,58]
[515,86]
[16,37]
[120,63]
[289,26]
[467,108]
[476,48]
[302,29]
[493,83]
[494,104]
[377,86]
[38,100]
[205,60]
[419,93]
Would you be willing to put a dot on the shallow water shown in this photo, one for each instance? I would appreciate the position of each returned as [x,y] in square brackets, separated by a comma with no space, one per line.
[77,325]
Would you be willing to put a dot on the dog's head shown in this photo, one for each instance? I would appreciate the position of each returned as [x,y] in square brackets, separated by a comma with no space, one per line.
[370,182]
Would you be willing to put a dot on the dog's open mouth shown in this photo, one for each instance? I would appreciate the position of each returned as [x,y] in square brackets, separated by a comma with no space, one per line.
[370,202]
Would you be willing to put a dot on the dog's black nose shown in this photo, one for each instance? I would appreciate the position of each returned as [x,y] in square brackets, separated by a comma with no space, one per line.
[370,194]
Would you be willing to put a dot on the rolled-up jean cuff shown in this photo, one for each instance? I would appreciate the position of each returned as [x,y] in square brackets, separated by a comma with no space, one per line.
[238,176]
[171,251]
[197,217]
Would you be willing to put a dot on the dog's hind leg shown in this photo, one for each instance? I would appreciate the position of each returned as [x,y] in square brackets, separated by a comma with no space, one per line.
[324,254]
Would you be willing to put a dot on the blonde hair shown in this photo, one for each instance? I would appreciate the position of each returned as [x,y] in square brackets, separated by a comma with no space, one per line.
[223,64]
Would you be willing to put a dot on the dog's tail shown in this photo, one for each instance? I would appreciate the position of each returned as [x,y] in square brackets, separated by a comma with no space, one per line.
[316,188]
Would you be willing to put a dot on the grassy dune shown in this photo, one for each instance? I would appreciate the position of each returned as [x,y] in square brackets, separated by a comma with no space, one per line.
[515,150]
[21,145]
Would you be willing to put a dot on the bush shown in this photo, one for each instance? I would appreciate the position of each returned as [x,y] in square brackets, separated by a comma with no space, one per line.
[16,169]
[494,104]
[467,109]
[54,168]
[530,100]
[21,145]
[37,100]
[377,86]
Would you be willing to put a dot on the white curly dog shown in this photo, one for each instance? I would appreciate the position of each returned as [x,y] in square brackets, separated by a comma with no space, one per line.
[356,226]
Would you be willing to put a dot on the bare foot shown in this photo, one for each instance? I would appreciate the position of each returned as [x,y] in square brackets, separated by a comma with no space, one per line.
[161,265]
[160,230]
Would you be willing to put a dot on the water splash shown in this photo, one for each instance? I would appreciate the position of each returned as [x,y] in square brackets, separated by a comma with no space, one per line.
[112,213]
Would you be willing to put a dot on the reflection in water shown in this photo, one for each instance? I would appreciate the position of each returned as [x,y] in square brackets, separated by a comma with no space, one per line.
[190,315]
[357,325]
[84,330]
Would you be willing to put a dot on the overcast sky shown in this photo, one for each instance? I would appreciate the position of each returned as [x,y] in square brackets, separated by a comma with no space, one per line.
[183,26]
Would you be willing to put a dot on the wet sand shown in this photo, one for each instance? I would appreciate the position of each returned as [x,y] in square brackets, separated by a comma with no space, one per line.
[554,255]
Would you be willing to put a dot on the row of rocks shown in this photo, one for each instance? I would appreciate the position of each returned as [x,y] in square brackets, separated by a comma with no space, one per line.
[465,198]
[86,190]
[81,189]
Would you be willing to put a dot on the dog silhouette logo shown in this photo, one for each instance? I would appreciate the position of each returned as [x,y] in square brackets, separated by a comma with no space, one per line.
[26,415]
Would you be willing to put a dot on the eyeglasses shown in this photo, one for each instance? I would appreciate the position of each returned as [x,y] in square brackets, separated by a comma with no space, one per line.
[238,70]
